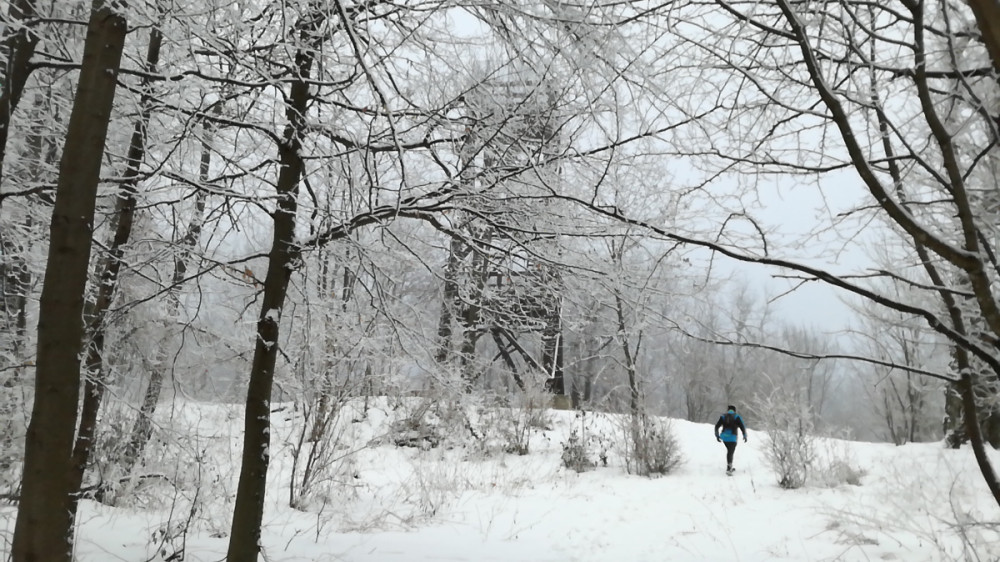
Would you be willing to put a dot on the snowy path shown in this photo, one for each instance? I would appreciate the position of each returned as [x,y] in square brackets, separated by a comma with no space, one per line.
[405,506]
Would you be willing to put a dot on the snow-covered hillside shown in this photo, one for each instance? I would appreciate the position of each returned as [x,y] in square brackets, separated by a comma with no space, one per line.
[467,500]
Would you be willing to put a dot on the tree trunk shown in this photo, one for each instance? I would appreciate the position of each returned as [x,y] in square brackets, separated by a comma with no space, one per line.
[449,299]
[552,348]
[987,13]
[956,427]
[504,352]
[552,338]
[988,411]
[244,540]
[95,368]
[966,387]
[633,381]
[16,279]
[43,530]
[143,428]
[471,318]
[19,48]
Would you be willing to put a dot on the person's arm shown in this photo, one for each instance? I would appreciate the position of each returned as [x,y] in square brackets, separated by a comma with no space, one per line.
[718,426]
[743,428]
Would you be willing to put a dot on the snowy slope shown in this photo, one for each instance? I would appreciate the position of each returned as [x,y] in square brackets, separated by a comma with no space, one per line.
[462,502]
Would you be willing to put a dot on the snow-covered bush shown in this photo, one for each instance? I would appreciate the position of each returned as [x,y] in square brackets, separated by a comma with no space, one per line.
[575,455]
[418,428]
[105,480]
[506,424]
[649,446]
[579,445]
[837,465]
[840,472]
[322,448]
[529,413]
[790,446]
[790,453]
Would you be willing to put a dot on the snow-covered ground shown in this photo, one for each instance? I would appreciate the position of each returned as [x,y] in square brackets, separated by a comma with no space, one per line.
[466,500]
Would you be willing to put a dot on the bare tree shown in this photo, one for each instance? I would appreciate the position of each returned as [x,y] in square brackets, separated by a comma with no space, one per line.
[19,47]
[908,405]
[244,540]
[96,312]
[916,133]
[44,526]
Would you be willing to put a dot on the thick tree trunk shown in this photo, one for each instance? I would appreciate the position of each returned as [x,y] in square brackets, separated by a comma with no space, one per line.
[95,369]
[987,13]
[43,530]
[244,540]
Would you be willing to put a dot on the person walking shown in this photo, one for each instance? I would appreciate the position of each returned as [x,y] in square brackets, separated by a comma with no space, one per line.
[729,423]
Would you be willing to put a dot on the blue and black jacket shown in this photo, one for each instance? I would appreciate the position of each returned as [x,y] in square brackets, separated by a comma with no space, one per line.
[729,423]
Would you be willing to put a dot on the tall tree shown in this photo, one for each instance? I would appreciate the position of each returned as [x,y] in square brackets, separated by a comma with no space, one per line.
[18,46]
[897,100]
[108,274]
[44,527]
[244,540]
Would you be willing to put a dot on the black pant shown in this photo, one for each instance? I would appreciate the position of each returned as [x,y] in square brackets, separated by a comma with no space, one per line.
[730,449]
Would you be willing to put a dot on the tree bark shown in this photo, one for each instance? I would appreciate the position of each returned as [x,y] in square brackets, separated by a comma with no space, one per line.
[633,380]
[552,344]
[471,319]
[987,13]
[43,530]
[95,368]
[450,303]
[966,386]
[19,48]
[15,282]
[244,539]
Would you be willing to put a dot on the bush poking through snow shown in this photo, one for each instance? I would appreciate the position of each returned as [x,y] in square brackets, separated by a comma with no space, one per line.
[321,460]
[790,453]
[650,446]
[795,454]
[575,455]
[837,466]
[416,429]
[577,447]
[840,472]
[790,446]
[531,414]
[508,427]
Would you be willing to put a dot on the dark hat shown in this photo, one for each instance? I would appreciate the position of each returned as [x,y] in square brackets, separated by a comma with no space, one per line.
[732,408]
